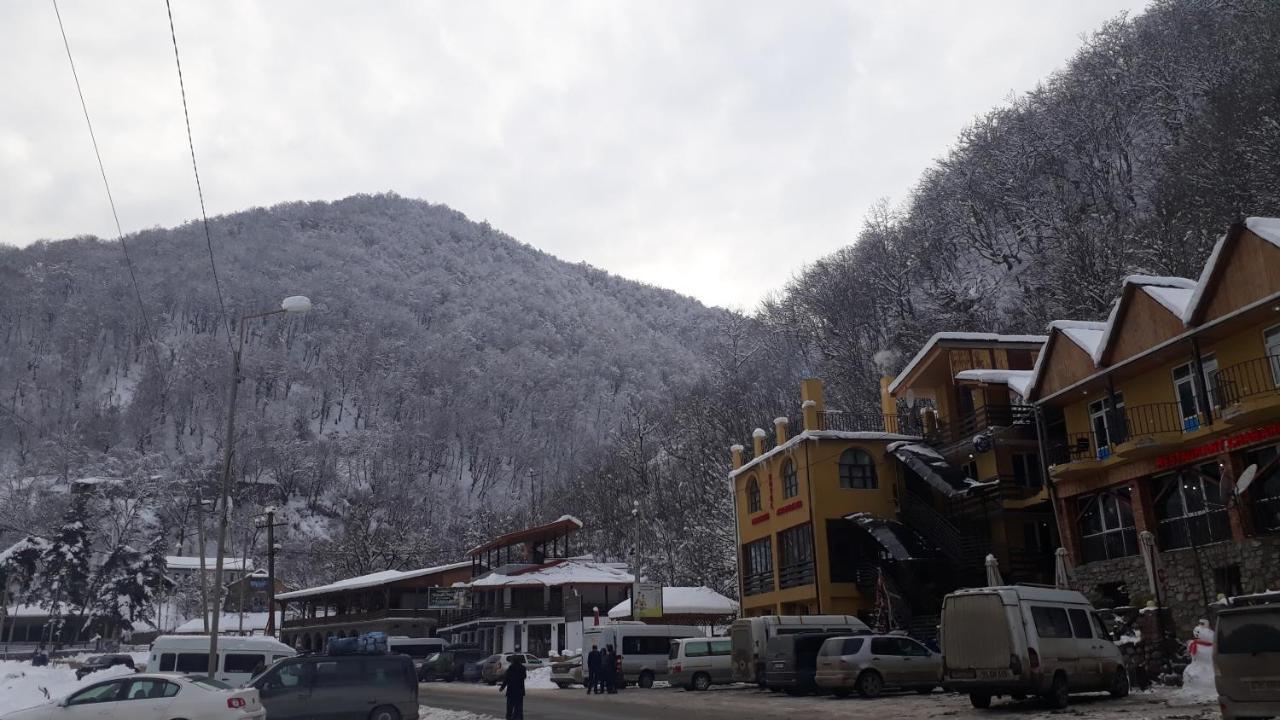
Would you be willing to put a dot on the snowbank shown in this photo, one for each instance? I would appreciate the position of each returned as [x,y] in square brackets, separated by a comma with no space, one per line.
[540,679]
[430,713]
[22,685]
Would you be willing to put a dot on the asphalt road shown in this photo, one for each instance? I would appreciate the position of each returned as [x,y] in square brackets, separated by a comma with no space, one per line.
[745,703]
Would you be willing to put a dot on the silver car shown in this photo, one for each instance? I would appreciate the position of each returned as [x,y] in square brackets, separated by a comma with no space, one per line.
[697,664]
[868,664]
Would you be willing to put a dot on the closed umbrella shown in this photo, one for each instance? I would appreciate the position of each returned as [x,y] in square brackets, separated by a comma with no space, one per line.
[993,572]
[1061,572]
[1151,559]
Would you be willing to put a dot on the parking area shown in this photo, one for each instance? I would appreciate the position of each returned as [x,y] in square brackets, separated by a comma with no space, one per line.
[742,702]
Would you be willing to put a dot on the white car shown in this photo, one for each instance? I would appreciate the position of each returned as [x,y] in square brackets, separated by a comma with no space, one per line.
[150,697]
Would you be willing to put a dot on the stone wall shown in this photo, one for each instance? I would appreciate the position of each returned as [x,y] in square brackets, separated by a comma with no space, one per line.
[1190,584]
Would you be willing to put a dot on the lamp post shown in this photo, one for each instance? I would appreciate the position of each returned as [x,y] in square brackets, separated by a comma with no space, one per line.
[295,304]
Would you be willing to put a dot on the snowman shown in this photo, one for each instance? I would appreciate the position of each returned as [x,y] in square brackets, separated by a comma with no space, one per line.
[1197,679]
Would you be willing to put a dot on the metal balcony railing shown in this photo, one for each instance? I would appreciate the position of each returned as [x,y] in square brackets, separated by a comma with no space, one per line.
[796,575]
[902,424]
[757,583]
[1242,381]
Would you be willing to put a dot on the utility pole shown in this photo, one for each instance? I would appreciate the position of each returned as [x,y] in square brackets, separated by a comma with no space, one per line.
[270,527]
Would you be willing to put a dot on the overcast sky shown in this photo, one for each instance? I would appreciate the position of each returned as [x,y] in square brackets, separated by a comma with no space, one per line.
[709,147]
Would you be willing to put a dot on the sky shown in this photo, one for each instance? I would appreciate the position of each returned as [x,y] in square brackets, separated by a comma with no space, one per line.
[713,147]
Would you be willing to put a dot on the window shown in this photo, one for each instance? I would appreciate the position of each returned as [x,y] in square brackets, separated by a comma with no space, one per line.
[106,692]
[1080,624]
[757,561]
[1051,622]
[1252,632]
[1271,338]
[338,673]
[753,495]
[1107,423]
[646,645]
[790,484]
[795,556]
[1106,526]
[286,676]
[1184,388]
[150,690]
[1026,470]
[242,662]
[885,646]
[721,647]
[192,663]
[1264,491]
[1190,509]
[857,470]
[383,672]
[697,649]
[1099,629]
[167,661]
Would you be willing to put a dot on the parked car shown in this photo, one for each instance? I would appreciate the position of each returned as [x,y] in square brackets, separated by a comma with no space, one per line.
[697,664]
[868,664]
[471,671]
[1023,640]
[493,667]
[418,648]
[378,687]
[102,662]
[567,671]
[791,662]
[750,635]
[239,658]
[1246,658]
[150,696]
[448,665]
[643,648]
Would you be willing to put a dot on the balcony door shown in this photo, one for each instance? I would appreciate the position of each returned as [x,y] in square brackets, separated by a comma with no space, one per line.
[1272,339]
[1105,420]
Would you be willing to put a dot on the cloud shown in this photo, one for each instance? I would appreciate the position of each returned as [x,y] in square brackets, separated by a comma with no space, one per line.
[711,147]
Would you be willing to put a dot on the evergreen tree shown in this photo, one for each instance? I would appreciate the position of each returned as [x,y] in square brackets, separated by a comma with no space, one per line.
[62,581]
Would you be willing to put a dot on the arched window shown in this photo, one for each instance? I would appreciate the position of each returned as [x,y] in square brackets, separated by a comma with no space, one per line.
[857,470]
[790,485]
[753,495]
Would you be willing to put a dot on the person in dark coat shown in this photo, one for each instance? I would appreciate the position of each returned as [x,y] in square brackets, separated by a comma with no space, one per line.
[513,686]
[595,663]
[611,670]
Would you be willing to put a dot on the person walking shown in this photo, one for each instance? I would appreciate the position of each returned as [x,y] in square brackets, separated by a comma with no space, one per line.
[595,664]
[513,686]
[611,670]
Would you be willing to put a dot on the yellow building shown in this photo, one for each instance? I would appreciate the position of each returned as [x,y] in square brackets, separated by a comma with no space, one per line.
[1151,420]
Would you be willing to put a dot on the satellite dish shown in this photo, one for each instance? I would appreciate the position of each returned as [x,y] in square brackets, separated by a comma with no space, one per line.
[1245,479]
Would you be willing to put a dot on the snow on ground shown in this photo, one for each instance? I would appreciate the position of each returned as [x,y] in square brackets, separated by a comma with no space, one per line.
[22,685]
[540,679]
[430,713]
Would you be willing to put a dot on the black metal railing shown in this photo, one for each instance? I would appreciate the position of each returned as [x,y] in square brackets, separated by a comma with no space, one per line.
[1156,419]
[847,421]
[758,583]
[1259,376]
[981,420]
[796,575]
[1072,447]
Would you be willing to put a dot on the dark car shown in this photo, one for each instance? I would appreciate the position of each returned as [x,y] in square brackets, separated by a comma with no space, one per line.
[791,662]
[102,662]
[450,665]
[377,687]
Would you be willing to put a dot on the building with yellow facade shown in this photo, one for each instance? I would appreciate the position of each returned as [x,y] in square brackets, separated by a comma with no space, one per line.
[1155,419]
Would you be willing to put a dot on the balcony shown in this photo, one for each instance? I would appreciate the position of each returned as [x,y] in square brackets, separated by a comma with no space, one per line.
[901,424]
[1243,391]
[757,583]
[297,623]
[796,575]
[983,419]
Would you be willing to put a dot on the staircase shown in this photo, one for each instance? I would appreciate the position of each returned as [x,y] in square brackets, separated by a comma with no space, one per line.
[965,551]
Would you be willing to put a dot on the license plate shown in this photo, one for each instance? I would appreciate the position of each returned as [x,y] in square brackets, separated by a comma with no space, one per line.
[779,665]
[993,674]
[964,674]
[1264,685]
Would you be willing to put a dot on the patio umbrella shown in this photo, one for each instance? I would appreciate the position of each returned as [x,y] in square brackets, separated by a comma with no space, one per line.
[993,572]
[1151,559]
[1061,570]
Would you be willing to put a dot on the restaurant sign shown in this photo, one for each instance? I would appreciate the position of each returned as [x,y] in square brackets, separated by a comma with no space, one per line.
[1219,446]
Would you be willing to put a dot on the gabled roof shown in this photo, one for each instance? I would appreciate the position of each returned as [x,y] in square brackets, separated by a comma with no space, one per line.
[560,527]
[976,338]
[1266,228]
[371,580]
[1086,334]
[1162,286]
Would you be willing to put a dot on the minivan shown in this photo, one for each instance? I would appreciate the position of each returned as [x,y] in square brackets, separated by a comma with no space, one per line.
[643,648]
[378,687]
[868,664]
[1023,640]
[239,658]
[697,663]
[791,662]
[1246,658]
[751,634]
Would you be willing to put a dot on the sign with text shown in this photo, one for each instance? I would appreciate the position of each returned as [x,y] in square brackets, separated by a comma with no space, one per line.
[648,601]
[450,598]
[1221,445]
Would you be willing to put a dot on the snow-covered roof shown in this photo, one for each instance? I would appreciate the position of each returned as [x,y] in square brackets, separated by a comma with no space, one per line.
[961,337]
[229,623]
[1169,300]
[1017,380]
[184,562]
[560,572]
[1264,227]
[556,528]
[685,601]
[26,611]
[931,467]
[371,580]
[821,435]
[1267,228]
[1085,333]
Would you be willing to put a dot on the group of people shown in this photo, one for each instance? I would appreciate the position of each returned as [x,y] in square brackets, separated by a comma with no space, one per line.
[602,670]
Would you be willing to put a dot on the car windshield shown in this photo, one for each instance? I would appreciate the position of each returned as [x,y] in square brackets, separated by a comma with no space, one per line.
[435,657]
[95,660]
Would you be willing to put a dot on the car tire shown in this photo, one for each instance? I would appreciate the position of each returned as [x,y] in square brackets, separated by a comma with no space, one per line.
[701,682]
[385,712]
[869,684]
[981,701]
[1059,695]
[562,686]
[646,679]
[1120,683]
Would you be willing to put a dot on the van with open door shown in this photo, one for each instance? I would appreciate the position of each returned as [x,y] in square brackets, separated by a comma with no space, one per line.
[1024,640]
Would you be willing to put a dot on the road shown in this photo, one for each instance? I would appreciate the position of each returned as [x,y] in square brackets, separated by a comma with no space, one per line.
[744,703]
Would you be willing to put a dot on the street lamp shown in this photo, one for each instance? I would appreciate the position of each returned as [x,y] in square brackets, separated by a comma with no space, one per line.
[294,304]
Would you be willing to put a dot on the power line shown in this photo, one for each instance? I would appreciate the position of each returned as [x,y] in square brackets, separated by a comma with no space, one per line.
[133,278]
[208,237]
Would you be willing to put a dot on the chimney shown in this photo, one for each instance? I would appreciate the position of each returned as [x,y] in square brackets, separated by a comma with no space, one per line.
[888,403]
[811,394]
[736,452]
[757,441]
[780,430]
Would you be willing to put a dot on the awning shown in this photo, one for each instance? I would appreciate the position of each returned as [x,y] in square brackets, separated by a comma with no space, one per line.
[931,467]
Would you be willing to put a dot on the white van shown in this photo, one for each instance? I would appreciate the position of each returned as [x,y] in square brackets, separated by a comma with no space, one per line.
[699,663]
[1025,640]
[644,648]
[239,658]
[751,636]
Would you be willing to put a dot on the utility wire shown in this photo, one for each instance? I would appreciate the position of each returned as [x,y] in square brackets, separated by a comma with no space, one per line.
[133,278]
[208,237]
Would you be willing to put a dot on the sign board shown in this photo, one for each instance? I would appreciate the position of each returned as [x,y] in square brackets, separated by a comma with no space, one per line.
[1219,446]
[647,602]
[448,598]
[257,583]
